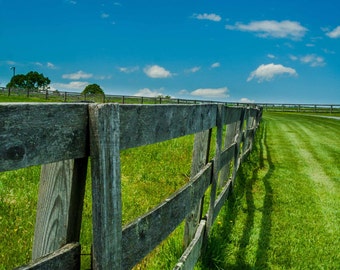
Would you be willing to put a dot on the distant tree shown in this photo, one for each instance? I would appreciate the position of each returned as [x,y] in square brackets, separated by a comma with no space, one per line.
[32,80]
[93,89]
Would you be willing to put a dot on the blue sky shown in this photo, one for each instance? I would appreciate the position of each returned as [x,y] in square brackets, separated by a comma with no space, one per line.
[251,51]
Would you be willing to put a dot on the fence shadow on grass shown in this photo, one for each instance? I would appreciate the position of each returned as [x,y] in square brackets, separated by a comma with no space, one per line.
[219,246]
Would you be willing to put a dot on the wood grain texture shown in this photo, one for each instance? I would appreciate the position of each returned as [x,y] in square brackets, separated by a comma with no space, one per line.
[59,209]
[148,231]
[67,257]
[193,252]
[147,124]
[106,186]
[200,158]
[39,133]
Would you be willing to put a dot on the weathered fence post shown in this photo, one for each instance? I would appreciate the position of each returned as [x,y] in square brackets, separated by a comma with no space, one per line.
[60,204]
[216,168]
[200,158]
[106,186]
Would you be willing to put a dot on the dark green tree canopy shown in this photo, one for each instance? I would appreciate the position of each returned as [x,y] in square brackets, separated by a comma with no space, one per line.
[93,89]
[32,80]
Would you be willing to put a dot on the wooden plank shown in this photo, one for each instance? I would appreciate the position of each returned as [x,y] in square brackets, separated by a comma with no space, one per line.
[232,115]
[239,139]
[40,133]
[193,252]
[216,170]
[147,124]
[67,257]
[223,196]
[144,234]
[227,155]
[200,158]
[60,204]
[106,186]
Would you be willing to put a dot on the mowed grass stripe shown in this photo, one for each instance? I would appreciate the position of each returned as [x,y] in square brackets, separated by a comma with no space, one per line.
[278,216]
[307,199]
[327,193]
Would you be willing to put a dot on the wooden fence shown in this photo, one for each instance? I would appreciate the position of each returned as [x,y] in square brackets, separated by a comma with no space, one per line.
[61,137]
[61,96]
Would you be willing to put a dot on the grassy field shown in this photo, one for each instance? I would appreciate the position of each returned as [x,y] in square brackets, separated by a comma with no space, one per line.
[284,212]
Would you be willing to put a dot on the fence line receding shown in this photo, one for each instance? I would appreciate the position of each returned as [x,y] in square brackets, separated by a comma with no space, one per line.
[61,137]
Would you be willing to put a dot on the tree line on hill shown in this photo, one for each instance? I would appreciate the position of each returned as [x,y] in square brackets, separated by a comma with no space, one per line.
[37,81]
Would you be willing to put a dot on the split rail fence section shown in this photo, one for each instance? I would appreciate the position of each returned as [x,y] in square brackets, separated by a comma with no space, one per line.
[61,137]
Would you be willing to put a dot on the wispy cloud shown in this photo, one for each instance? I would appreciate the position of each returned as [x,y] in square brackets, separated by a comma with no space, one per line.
[105,15]
[310,59]
[215,65]
[246,100]
[205,16]
[73,2]
[268,72]
[77,76]
[335,33]
[51,65]
[211,92]
[75,85]
[128,69]
[271,56]
[156,71]
[270,28]
[193,69]
[146,92]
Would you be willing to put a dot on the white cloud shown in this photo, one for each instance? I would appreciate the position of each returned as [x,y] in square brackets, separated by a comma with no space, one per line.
[75,85]
[310,59]
[271,56]
[193,70]
[335,33]
[268,72]
[275,29]
[156,71]
[51,65]
[77,76]
[246,100]
[215,65]
[105,15]
[146,92]
[313,60]
[205,16]
[211,92]
[128,69]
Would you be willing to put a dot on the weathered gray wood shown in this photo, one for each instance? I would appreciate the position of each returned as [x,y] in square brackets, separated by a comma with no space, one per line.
[200,157]
[147,124]
[239,139]
[227,155]
[217,161]
[106,186]
[222,197]
[193,252]
[60,202]
[40,133]
[232,115]
[67,257]
[229,139]
[148,231]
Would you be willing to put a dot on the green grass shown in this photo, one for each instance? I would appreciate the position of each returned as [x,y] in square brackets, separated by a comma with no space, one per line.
[283,213]
[285,209]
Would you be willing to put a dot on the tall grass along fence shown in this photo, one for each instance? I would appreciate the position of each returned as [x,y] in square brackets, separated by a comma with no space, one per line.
[62,136]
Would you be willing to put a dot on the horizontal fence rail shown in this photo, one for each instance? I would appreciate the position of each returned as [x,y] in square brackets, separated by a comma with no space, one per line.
[62,136]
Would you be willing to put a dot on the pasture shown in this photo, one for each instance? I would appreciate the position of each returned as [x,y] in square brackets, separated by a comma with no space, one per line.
[284,211]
